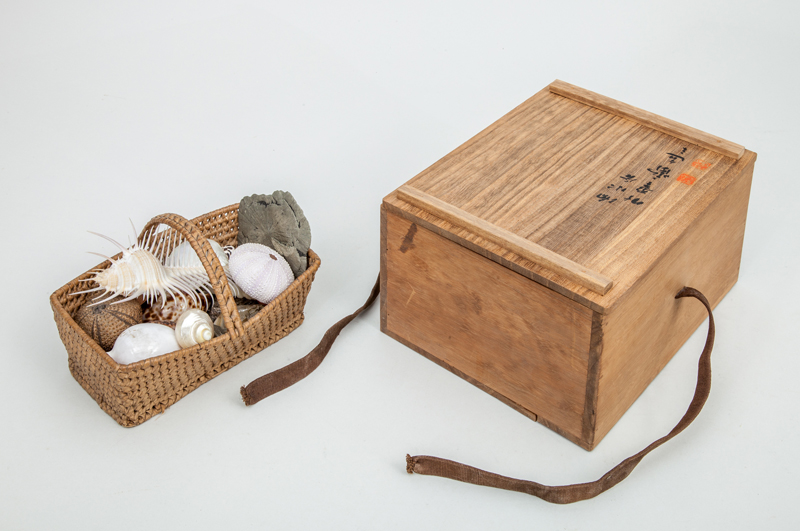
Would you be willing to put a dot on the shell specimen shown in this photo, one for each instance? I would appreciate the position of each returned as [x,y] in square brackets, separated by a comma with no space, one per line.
[105,322]
[168,311]
[193,327]
[143,341]
[139,272]
[276,221]
[261,272]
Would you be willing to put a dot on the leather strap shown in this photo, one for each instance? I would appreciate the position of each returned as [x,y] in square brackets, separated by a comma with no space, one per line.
[279,380]
[276,381]
[436,466]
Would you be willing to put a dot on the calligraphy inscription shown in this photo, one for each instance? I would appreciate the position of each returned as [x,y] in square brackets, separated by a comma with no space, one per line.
[634,189]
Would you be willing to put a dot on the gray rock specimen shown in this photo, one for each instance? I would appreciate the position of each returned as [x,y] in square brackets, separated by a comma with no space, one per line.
[276,221]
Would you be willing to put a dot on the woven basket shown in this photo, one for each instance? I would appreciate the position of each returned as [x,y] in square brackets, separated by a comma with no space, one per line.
[133,393]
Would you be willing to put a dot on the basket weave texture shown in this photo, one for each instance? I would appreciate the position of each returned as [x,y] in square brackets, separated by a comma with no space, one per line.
[133,393]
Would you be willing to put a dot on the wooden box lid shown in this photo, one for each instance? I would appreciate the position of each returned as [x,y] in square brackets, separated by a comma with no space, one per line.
[574,190]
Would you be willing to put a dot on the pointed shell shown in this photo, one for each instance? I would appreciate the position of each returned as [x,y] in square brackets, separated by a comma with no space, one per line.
[260,271]
[193,327]
[140,273]
[143,341]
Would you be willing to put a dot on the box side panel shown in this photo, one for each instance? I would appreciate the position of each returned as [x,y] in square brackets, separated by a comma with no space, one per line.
[648,326]
[521,341]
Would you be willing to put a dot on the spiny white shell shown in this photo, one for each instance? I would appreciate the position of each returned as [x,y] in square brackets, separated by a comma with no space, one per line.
[141,273]
[193,327]
[143,341]
[260,271]
[184,256]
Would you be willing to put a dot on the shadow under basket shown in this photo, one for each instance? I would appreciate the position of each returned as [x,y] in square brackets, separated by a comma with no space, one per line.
[133,393]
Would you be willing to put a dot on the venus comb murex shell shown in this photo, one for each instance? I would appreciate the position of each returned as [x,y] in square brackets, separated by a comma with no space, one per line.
[139,272]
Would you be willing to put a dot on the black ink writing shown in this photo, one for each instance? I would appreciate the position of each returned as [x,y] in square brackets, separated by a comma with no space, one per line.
[605,197]
[634,200]
[660,171]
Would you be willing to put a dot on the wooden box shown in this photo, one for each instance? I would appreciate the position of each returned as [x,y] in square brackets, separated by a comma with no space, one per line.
[540,260]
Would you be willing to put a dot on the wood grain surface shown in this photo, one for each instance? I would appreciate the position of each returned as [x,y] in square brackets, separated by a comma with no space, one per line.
[553,171]
[649,325]
[659,123]
[525,248]
[493,260]
[519,339]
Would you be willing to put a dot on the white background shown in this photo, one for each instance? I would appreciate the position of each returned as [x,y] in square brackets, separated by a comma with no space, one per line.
[117,110]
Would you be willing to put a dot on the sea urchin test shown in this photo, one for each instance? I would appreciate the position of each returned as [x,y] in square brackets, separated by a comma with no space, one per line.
[260,271]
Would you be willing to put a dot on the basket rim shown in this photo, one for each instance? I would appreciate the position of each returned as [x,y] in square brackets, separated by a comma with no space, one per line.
[313,266]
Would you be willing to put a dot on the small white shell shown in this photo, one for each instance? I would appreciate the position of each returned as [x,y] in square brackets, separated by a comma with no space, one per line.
[193,327]
[143,341]
[260,271]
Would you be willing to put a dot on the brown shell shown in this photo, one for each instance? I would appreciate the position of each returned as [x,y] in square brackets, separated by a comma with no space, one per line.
[104,322]
[168,312]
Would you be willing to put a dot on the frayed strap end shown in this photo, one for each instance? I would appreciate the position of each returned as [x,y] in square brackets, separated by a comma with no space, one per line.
[245,396]
[410,462]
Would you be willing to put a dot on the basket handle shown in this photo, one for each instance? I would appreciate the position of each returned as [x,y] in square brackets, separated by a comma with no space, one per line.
[211,263]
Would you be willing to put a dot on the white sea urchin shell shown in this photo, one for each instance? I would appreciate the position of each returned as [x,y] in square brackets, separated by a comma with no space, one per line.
[260,271]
